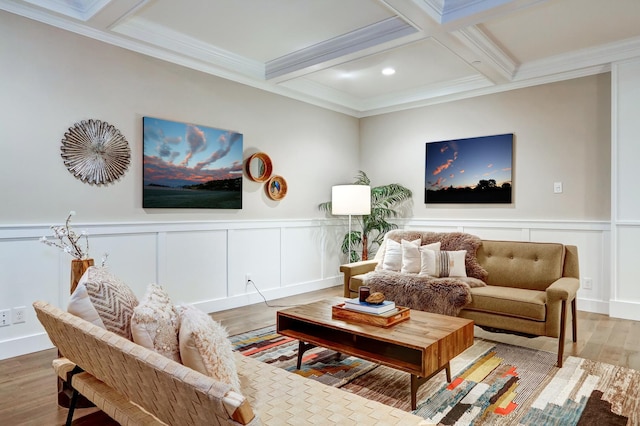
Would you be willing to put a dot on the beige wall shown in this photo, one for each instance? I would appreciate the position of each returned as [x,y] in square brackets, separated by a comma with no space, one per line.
[562,134]
[51,79]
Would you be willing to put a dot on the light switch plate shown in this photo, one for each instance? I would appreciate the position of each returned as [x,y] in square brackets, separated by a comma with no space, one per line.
[557,187]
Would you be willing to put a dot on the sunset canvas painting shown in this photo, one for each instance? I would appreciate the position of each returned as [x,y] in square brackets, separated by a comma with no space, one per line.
[191,166]
[472,170]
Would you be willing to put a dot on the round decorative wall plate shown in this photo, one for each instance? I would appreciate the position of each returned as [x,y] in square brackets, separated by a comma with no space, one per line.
[276,187]
[95,152]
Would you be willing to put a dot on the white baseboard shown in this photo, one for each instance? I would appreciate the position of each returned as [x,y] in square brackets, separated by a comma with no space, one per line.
[592,305]
[624,310]
[270,294]
[24,345]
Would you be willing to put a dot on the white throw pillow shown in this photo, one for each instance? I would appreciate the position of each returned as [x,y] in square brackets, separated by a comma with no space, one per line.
[411,258]
[392,260]
[205,346]
[104,300]
[155,323]
[443,263]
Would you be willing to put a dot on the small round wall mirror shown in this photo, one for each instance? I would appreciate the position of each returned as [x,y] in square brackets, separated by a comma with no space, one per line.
[258,167]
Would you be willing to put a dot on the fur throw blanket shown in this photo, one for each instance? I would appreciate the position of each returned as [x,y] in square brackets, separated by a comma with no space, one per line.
[450,241]
[446,296]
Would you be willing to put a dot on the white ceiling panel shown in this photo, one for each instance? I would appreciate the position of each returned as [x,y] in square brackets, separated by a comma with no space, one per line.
[331,52]
[417,64]
[263,30]
[563,26]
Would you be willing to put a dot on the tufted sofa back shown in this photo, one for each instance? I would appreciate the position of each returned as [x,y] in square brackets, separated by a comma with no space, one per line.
[522,264]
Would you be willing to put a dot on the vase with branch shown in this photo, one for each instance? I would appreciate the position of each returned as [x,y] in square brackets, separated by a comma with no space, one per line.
[75,244]
[387,202]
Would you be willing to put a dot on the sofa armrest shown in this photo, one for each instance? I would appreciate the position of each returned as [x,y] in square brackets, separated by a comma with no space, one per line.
[238,407]
[356,268]
[563,289]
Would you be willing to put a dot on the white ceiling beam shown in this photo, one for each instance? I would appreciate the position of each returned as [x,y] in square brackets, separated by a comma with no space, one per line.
[342,46]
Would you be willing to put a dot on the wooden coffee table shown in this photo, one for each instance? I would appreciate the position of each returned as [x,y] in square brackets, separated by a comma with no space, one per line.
[421,346]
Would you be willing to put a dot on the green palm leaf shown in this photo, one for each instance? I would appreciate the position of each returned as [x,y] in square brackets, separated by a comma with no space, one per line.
[385,201]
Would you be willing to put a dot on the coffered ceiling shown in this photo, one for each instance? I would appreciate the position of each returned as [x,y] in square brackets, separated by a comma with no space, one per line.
[332,52]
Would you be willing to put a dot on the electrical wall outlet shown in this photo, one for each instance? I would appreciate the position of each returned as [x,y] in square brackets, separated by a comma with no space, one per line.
[18,315]
[587,283]
[5,318]
[247,278]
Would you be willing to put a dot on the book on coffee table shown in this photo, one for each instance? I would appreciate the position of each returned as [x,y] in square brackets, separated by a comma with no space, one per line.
[356,305]
[386,319]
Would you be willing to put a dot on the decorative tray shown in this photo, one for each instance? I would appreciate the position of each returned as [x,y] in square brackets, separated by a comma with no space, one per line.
[394,316]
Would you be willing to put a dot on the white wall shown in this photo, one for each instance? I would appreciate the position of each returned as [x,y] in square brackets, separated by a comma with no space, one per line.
[626,195]
[562,133]
[51,79]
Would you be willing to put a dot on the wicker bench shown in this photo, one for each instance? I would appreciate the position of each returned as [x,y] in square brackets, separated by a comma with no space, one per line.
[135,385]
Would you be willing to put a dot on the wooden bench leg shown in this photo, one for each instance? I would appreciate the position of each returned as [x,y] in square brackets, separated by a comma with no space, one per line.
[563,325]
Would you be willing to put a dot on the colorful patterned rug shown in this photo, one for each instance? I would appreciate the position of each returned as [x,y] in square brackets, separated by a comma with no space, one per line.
[493,384]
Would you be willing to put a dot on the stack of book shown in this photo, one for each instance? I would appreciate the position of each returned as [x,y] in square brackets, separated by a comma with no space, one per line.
[356,305]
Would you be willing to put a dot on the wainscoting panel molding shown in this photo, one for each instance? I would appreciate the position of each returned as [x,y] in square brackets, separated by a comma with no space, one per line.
[206,263]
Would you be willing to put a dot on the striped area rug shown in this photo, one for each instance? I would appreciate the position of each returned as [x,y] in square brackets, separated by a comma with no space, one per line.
[493,384]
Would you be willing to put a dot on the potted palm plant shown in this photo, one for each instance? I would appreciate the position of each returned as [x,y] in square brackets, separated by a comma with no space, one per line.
[386,202]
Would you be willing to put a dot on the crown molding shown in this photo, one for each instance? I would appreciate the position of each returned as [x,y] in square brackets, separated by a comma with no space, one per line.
[80,10]
[163,37]
[601,56]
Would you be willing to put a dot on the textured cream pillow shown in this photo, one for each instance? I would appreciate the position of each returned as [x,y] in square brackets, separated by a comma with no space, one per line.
[155,323]
[411,259]
[205,346]
[104,300]
[443,263]
[392,260]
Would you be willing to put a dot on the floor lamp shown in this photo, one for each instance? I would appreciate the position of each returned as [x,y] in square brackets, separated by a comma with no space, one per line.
[350,200]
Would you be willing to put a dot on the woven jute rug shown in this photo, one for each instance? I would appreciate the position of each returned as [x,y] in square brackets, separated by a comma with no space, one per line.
[493,384]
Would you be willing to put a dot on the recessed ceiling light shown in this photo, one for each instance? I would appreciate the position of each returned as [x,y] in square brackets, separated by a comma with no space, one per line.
[388,71]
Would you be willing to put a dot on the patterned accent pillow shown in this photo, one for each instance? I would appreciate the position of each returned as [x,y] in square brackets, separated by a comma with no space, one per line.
[205,346]
[104,300]
[155,323]
[443,263]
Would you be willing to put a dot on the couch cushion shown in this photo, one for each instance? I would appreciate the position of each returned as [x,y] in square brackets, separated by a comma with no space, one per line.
[155,323]
[412,257]
[205,346]
[443,263]
[104,300]
[526,265]
[515,302]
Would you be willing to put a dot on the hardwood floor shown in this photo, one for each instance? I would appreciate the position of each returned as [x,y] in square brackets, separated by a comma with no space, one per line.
[28,384]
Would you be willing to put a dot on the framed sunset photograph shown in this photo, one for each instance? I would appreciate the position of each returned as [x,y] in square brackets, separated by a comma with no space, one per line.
[190,166]
[471,170]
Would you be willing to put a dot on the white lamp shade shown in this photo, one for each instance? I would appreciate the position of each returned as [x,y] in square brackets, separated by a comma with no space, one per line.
[350,199]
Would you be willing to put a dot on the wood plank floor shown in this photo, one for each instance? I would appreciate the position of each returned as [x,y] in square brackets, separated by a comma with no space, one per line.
[28,383]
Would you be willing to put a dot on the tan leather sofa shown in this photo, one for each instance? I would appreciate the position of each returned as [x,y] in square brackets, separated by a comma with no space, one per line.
[528,287]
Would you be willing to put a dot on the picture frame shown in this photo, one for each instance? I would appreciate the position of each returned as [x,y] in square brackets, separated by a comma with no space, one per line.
[191,166]
[469,170]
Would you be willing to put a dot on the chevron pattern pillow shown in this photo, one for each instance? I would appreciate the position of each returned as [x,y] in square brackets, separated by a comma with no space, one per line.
[104,300]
